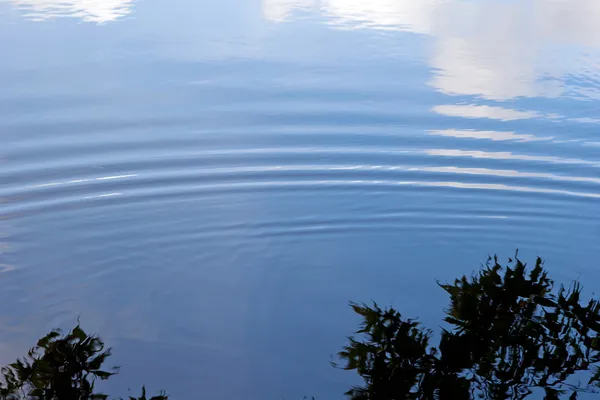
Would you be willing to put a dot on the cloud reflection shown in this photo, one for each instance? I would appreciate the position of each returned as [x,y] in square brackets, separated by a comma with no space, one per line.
[503,155]
[88,10]
[507,173]
[489,135]
[408,15]
[474,111]
[280,10]
[495,49]
[413,16]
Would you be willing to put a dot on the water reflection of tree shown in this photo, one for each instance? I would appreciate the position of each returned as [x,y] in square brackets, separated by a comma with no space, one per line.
[61,367]
[509,335]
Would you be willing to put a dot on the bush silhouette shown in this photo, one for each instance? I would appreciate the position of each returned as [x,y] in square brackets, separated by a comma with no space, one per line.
[60,367]
[510,334]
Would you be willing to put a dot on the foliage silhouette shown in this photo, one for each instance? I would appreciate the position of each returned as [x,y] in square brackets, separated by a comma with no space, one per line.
[61,367]
[510,334]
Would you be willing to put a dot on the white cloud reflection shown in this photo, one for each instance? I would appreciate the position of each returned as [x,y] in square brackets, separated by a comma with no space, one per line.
[495,49]
[87,10]
[280,10]
[504,155]
[409,15]
[507,173]
[489,135]
[474,111]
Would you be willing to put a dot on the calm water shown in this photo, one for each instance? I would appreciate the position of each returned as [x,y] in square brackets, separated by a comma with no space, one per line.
[207,184]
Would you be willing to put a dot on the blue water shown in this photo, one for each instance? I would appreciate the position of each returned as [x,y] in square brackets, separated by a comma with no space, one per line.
[207,184]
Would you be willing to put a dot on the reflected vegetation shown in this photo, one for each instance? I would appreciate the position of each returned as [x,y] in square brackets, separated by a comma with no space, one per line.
[286,141]
[509,334]
[87,10]
[61,367]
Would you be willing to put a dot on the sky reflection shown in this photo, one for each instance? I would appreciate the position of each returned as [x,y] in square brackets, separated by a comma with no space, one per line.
[87,10]
[231,159]
[494,49]
[489,135]
[474,111]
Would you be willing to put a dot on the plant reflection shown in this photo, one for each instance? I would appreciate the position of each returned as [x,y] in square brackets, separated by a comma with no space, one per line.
[510,334]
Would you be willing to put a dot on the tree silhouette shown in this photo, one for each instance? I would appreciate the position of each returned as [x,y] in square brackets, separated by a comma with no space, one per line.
[60,367]
[509,334]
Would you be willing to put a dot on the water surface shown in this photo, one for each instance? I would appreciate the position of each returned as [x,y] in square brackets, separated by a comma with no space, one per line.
[207,184]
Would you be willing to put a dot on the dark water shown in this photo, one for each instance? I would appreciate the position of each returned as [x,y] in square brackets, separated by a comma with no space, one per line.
[207,184]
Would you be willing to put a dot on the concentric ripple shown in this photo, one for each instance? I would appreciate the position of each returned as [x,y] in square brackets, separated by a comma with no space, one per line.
[207,185]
